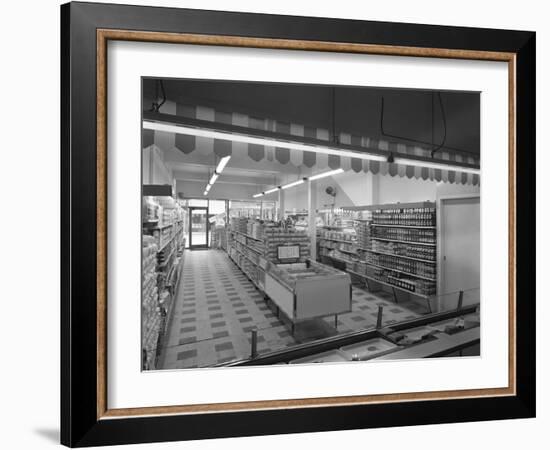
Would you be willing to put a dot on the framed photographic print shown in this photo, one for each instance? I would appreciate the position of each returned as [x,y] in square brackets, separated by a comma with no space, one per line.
[277,224]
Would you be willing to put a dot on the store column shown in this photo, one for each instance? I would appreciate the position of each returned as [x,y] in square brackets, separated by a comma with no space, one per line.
[281,215]
[312,216]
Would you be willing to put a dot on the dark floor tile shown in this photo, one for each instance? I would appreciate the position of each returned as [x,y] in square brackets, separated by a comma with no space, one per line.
[185,312]
[214,308]
[241,311]
[218,324]
[224,346]
[245,319]
[188,320]
[283,334]
[238,305]
[220,334]
[396,310]
[357,318]
[248,329]
[226,359]
[269,315]
[187,329]
[187,354]
[187,340]
[216,316]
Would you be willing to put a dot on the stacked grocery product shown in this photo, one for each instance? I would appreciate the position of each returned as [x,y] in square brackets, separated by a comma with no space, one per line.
[254,229]
[150,309]
[394,244]
[337,244]
[336,235]
[421,252]
[415,285]
[419,217]
[404,234]
[412,267]
[163,244]
[274,237]
[151,210]
[239,224]
[363,232]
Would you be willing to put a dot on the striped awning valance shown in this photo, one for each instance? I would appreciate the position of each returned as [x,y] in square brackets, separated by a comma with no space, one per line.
[308,159]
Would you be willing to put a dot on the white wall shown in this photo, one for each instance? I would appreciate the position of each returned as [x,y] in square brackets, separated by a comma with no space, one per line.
[219,190]
[154,169]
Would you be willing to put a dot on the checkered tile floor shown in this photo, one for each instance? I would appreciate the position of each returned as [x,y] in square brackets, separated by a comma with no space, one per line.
[217,307]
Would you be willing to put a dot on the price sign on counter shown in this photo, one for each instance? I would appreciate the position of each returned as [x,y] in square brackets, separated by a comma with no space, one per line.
[288,252]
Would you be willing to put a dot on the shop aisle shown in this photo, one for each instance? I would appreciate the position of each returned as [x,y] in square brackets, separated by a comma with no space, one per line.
[217,307]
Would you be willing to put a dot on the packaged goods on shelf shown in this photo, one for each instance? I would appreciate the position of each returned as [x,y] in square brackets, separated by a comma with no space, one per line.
[150,317]
[336,235]
[423,252]
[404,234]
[363,233]
[151,210]
[239,224]
[421,217]
[277,237]
[403,265]
[414,285]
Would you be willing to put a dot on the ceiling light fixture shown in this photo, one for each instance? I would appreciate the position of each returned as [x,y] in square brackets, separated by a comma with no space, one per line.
[326,174]
[221,165]
[214,178]
[258,195]
[295,183]
[272,190]
[435,165]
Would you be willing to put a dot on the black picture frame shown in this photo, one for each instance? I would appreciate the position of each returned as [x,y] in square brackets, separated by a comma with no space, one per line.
[80,425]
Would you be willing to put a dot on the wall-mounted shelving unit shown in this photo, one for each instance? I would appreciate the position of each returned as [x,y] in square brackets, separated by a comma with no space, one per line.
[394,245]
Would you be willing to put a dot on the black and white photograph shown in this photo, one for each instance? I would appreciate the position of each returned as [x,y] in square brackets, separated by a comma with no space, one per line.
[301,223]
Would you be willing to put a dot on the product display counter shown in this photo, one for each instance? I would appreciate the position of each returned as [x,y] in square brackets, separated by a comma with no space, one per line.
[308,290]
[441,334]
[437,339]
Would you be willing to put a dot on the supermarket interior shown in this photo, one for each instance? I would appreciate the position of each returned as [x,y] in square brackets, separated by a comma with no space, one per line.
[287,224]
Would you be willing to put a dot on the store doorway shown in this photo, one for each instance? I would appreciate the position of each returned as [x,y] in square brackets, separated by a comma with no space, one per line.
[198,228]
[460,247]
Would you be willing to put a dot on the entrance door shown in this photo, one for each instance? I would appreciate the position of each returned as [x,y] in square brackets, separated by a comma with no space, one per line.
[198,228]
[459,246]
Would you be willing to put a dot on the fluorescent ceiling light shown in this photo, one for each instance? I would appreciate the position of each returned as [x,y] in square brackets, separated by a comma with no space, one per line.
[271,190]
[214,178]
[435,165]
[223,162]
[295,183]
[325,174]
[236,137]
[258,195]
[205,192]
